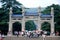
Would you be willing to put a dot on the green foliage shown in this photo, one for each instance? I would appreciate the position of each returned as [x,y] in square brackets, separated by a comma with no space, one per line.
[4,28]
[56,15]
[17,10]
[4,16]
[17,26]
[46,26]
[10,3]
[4,11]
[30,25]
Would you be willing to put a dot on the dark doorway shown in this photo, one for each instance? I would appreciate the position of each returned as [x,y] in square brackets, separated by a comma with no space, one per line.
[16,27]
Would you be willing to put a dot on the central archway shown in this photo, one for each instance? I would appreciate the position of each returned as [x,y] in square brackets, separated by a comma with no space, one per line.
[16,27]
[30,25]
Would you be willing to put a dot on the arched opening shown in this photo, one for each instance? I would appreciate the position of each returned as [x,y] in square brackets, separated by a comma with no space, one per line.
[46,27]
[30,25]
[16,27]
[4,28]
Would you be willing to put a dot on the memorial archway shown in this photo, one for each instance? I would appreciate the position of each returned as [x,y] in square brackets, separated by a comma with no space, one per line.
[30,25]
[16,27]
[34,15]
[46,27]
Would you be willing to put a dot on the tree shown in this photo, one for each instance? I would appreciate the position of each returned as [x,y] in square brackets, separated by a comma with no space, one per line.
[6,4]
[46,26]
[30,25]
[4,28]
[56,15]
[4,11]
[10,3]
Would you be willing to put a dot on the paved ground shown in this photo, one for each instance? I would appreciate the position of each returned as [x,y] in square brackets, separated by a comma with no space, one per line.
[27,38]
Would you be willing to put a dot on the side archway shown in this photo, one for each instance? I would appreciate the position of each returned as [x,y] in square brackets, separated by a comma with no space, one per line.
[46,26]
[16,27]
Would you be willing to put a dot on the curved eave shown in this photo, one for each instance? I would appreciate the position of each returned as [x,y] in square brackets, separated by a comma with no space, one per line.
[46,16]
[16,16]
[31,15]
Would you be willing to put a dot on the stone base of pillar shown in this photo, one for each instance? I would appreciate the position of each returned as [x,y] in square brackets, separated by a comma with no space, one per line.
[23,30]
[52,34]
[9,33]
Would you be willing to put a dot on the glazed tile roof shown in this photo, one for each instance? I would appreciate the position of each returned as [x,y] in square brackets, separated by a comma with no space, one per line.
[32,12]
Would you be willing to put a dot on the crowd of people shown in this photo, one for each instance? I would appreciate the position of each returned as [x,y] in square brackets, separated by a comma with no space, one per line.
[32,33]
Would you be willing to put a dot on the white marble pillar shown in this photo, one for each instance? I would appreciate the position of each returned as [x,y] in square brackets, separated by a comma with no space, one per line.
[23,25]
[52,27]
[38,24]
[52,20]
[10,29]
[39,19]
[23,19]
[10,22]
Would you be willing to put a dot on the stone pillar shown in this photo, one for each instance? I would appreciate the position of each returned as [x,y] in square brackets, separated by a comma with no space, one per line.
[52,20]
[23,25]
[10,23]
[39,19]
[10,29]
[23,19]
[38,24]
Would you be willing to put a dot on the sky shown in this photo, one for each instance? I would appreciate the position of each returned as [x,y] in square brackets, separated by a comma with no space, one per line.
[37,3]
